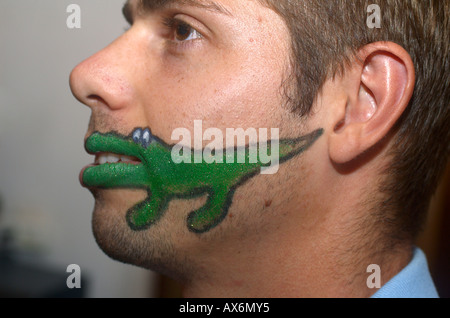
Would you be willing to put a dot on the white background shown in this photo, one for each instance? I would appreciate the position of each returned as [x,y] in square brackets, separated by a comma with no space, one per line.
[41,139]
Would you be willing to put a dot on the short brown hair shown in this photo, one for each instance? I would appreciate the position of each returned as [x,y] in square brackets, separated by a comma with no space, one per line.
[326,36]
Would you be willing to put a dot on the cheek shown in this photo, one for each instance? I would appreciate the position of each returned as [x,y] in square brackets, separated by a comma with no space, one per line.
[222,94]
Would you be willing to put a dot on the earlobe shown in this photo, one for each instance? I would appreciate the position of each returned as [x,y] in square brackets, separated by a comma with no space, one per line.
[378,92]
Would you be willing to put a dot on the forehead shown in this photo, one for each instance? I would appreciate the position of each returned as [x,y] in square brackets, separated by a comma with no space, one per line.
[220,6]
[235,9]
[154,5]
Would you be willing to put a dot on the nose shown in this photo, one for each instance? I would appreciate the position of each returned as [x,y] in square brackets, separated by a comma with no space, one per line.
[105,78]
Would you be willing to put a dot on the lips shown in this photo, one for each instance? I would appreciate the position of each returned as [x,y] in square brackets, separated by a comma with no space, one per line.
[118,160]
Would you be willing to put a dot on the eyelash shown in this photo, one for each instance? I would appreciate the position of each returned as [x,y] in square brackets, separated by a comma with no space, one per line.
[172,24]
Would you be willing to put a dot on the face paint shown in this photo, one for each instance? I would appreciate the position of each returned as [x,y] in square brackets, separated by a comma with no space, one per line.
[154,170]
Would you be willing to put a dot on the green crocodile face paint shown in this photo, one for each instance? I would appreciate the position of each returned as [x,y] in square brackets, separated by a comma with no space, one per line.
[165,180]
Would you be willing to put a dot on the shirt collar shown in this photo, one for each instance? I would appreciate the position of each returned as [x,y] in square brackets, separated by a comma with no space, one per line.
[414,281]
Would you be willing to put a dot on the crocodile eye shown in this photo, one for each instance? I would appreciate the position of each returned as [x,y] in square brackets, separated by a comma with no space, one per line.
[137,135]
[146,138]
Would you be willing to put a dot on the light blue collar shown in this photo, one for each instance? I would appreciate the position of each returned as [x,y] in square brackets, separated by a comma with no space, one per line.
[414,281]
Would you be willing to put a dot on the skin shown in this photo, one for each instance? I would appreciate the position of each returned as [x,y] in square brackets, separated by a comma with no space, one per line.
[165,180]
[303,232]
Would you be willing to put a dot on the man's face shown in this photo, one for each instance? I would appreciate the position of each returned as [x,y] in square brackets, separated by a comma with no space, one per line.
[222,63]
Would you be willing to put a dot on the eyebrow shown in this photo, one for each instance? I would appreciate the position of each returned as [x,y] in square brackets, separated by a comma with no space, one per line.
[158,5]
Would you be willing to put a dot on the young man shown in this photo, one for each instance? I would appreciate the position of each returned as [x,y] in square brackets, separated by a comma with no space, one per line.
[361,115]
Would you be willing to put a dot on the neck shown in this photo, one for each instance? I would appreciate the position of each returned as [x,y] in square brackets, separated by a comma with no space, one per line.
[320,262]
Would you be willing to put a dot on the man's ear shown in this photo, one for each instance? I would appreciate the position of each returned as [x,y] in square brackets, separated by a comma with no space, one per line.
[378,89]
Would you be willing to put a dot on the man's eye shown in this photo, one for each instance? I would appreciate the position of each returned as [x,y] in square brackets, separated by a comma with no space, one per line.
[183,32]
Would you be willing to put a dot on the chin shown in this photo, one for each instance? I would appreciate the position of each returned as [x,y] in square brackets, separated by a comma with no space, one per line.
[151,249]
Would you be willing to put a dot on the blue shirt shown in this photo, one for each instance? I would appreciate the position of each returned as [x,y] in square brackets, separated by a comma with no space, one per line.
[414,281]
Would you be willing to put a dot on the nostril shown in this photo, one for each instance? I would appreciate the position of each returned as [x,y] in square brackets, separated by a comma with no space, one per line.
[96,99]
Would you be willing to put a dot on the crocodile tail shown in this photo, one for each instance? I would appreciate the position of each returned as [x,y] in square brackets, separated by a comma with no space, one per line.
[289,148]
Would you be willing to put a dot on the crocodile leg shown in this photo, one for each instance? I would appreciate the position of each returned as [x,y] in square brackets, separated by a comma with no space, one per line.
[213,212]
[148,212]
